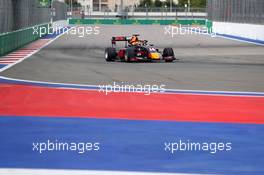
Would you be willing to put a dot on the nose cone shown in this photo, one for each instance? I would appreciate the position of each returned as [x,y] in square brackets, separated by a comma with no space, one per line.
[155,56]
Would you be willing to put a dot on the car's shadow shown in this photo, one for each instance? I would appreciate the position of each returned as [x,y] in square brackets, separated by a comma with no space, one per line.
[147,62]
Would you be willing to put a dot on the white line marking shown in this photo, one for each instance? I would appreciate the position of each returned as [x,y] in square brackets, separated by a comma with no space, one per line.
[12,56]
[36,47]
[78,172]
[46,82]
[28,50]
[22,51]
[176,91]
[9,59]
[18,54]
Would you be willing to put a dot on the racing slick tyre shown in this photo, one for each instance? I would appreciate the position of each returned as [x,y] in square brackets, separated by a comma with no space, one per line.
[130,53]
[110,54]
[168,52]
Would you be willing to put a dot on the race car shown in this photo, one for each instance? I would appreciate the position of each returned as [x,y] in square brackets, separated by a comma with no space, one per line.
[136,50]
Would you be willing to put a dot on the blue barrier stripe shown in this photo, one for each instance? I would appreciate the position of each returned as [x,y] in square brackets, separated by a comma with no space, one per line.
[242,38]
[261,42]
[131,145]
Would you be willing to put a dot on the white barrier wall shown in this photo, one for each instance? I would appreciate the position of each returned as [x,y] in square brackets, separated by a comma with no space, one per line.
[60,24]
[246,31]
[150,14]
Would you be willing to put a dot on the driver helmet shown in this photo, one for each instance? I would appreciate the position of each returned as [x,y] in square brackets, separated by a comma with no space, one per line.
[134,40]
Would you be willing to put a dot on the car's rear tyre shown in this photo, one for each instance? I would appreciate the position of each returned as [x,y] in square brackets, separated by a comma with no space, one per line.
[130,53]
[168,52]
[110,54]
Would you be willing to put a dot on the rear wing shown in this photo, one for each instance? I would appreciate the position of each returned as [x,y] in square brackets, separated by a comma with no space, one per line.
[122,38]
[119,38]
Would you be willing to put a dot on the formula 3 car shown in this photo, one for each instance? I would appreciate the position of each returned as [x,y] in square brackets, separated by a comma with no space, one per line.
[137,50]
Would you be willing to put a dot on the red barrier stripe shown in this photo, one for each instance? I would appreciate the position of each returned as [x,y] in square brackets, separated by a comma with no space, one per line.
[20,100]
[6,62]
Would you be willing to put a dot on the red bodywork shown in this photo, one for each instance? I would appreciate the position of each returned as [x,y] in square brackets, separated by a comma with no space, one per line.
[121,53]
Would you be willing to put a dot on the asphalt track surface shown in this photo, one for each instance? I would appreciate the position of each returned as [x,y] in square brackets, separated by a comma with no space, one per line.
[206,63]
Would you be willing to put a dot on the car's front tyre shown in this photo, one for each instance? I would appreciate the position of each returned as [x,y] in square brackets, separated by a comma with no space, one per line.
[168,55]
